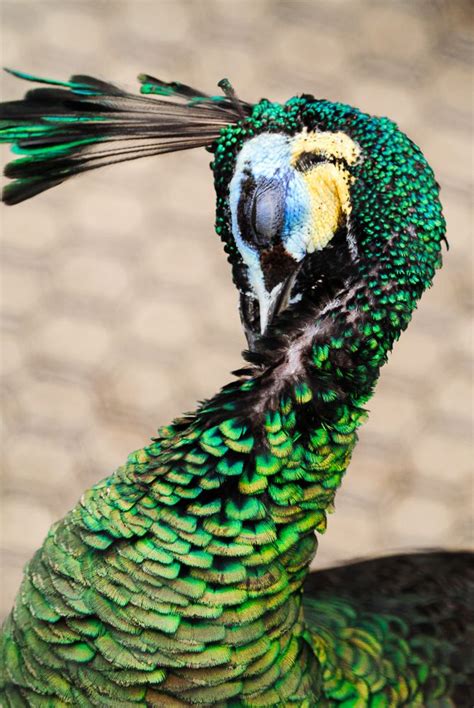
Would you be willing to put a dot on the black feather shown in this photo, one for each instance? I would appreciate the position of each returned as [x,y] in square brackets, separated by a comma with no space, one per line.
[85,123]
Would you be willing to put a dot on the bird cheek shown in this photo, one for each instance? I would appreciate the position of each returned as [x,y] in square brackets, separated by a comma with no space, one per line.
[297,226]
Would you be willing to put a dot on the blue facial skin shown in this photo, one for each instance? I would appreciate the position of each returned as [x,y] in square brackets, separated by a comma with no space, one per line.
[297,215]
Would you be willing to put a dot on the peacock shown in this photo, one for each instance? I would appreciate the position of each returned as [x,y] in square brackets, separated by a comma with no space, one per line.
[183,578]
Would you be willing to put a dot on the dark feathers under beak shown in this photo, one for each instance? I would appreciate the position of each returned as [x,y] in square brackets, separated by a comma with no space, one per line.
[257,316]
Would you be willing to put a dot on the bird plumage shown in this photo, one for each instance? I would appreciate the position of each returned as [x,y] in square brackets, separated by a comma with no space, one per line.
[84,123]
[406,617]
[182,579]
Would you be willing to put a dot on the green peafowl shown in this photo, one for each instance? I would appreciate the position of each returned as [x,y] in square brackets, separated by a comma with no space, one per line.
[182,579]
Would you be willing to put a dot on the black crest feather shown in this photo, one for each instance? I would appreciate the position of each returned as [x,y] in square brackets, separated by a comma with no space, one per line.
[85,123]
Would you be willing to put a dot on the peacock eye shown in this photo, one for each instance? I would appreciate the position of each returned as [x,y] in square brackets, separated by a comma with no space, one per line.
[265,212]
[307,160]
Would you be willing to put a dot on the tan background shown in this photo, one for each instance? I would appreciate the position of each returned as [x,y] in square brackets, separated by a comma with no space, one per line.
[117,304]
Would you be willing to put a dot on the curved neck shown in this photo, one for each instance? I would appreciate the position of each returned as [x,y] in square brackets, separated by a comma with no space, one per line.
[240,495]
[208,534]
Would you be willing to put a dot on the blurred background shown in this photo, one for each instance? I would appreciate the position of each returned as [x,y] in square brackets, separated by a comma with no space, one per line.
[117,305]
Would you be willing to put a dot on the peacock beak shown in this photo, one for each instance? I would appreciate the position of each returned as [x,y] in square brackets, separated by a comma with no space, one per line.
[259,310]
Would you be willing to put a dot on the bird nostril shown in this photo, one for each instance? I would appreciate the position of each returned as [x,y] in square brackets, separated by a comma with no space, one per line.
[267,212]
[260,210]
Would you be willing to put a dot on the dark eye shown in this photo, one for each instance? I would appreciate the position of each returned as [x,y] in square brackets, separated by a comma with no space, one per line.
[307,160]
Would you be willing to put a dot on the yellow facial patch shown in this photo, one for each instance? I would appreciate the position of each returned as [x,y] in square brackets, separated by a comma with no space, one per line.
[328,186]
[328,182]
[337,145]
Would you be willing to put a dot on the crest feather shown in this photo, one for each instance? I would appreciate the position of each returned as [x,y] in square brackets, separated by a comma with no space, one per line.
[82,124]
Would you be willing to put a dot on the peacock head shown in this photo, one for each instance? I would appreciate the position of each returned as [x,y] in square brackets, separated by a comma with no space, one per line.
[322,208]
[289,196]
[319,203]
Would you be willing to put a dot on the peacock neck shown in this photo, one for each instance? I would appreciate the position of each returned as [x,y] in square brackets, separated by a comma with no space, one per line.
[240,496]
[216,519]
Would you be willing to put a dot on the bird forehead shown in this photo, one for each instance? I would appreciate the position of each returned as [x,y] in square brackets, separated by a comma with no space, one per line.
[270,154]
[337,145]
[265,155]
